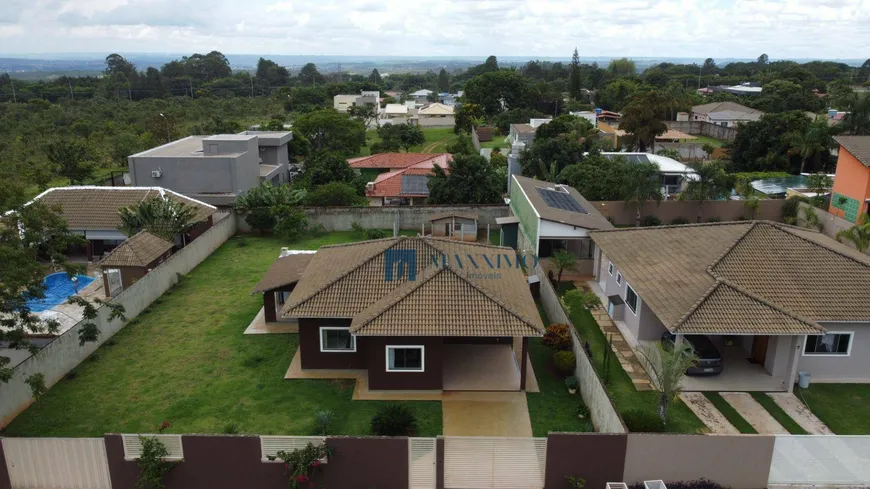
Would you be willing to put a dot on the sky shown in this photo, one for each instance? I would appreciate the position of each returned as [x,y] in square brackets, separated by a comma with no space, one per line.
[818,29]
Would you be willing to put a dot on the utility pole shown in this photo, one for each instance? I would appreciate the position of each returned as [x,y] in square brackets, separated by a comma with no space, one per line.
[168,138]
[699,76]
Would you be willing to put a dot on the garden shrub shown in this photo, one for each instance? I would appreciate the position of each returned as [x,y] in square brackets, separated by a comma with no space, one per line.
[564,361]
[323,418]
[376,234]
[557,337]
[679,221]
[790,208]
[394,420]
[650,220]
[640,421]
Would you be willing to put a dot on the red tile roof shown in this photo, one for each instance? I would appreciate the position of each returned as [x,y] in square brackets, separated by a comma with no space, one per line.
[397,160]
[390,184]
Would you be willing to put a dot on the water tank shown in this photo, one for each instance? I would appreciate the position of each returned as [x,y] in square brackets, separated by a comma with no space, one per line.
[804,379]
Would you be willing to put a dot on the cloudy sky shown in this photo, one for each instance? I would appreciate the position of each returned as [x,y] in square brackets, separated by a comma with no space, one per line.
[672,28]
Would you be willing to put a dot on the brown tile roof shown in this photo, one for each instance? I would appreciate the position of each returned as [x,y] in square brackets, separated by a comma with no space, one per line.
[139,251]
[857,146]
[348,281]
[284,271]
[96,208]
[723,106]
[394,161]
[788,278]
[592,220]
[524,128]
[445,215]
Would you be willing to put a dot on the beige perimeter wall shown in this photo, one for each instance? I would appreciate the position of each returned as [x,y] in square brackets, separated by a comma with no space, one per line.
[726,210]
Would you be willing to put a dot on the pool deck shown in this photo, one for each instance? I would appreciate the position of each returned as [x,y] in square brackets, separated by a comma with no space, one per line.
[68,314]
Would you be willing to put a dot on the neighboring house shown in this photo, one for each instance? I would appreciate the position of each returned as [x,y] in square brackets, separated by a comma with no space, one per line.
[394,111]
[214,169]
[675,175]
[552,217]
[608,116]
[279,281]
[436,115]
[610,133]
[451,99]
[410,316]
[400,178]
[522,133]
[728,114]
[131,260]
[92,212]
[454,225]
[851,192]
[420,97]
[342,102]
[589,115]
[786,299]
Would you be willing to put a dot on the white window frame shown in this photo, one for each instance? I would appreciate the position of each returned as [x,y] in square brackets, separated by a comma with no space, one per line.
[422,349]
[637,298]
[334,328]
[618,278]
[848,353]
[610,268]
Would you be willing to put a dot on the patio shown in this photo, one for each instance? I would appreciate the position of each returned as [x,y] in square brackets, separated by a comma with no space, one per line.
[738,374]
[484,368]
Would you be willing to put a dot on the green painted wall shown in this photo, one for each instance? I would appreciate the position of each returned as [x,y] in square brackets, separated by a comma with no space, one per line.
[523,209]
[848,205]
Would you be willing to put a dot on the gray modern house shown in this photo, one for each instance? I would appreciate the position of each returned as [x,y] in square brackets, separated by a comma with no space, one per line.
[214,169]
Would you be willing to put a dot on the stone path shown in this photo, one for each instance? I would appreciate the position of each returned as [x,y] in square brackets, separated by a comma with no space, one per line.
[800,413]
[624,352]
[754,413]
[716,422]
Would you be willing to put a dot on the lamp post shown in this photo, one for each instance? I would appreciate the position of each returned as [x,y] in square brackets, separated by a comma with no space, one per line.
[168,139]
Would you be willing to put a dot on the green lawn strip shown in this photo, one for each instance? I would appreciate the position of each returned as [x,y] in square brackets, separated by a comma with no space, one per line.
[716,143]
[441,135]
[845,408]
[622,392]
[186,361]
[778,414]
[730,413]
[497,142]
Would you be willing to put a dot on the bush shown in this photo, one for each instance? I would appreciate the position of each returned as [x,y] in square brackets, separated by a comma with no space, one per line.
[679,221]
[648,221]
[375,234]
[790,208]
[564,361]
[230,429]
[640,421]
[571,382]
[582,410]
[394,420]
[323,418]
[557,337]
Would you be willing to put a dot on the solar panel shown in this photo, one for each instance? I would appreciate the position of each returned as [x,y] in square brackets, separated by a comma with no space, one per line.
[631,158]
[414,185]
[561,200]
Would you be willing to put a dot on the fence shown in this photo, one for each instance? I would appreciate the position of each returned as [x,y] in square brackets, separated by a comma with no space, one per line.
[411,217]
[484,463]
[623,214]
[704,129]
[831,224]
[688,151]
[64,353]
[57,462]
[821,460]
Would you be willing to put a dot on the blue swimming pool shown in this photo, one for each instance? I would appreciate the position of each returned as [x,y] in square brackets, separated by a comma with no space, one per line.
[58,286]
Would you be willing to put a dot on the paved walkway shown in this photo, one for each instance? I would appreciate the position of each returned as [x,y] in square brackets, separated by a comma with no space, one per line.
[800,413]
[754,413]
[260,326]
[716,422]
[486,414]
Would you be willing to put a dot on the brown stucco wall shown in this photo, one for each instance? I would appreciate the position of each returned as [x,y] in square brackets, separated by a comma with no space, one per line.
[269,302]
[200,228]
[380,379]
[736,461]
[5,483]
[725,210]
[309,345]
[233,462]
[596,457]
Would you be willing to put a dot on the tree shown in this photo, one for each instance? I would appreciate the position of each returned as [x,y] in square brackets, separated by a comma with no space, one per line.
[497,91]
[575,83]
[811,219]
[464,117]
[858,235]
[394,136]
[470,179]
[72,159]
[323,168]
[365,113]
[668,366]
[750,198]
[462,145]
[375,77]
[550,156]
[443,81]
[411,135]
[264,205]
[761,145]
[597,177]
[309,74]
[643,182]
[163,217]
[762,60]
[327,130]
[810,143]
[784,95]
[118,68]
[622,67]
[857,121]
[271,73]
[335,194]
[616,94]
[710,182]
[709,66]
[563,260]
[642,119]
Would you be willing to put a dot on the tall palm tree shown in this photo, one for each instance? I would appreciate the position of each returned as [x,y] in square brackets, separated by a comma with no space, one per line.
[668,365]
[810,143]
[857,121]
[643,182]
[858,235]
[710,182]
[162,217]
[563,260]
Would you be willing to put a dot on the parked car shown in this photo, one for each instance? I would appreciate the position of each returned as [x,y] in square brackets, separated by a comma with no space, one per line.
[710,361]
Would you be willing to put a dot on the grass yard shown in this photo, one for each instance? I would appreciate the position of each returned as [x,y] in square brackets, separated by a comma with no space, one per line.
[730,413]
[553,408]
[437,139]
[778,414]
[625,397]
[845,408]
[186,361]
[716,143]
[497,142]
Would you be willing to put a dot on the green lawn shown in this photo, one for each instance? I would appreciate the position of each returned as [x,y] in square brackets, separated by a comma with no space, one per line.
[437,139]
[497,142]
[778,414]
[186,361]
[625,397]
[716,143]
[730,413]
[845,408]
[553,408]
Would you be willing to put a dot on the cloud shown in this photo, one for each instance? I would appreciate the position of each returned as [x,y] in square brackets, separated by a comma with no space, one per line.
[658,28]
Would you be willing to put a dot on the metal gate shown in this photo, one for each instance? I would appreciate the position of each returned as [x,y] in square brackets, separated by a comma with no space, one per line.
[422,457]
[57,463]
[494,463]
[821,460]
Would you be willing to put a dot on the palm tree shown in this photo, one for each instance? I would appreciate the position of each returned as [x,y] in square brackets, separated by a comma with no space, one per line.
[563,260]
[668,365]
[709,182]
[643,182]
[858,235]
[858,119]
[810,143]
[750,199]
[811,219]
[162,217]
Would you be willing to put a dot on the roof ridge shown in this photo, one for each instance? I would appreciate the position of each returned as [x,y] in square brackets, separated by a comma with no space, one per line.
[494,296]
[820,245]
[672,226]
[428,274]
[729,249]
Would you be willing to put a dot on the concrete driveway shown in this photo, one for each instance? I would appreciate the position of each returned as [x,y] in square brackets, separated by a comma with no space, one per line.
[486,414]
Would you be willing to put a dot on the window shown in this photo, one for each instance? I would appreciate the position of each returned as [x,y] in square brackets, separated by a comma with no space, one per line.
[618,278]
[630,298]
[336,339]
[829,344]
[405,358]
[610,268]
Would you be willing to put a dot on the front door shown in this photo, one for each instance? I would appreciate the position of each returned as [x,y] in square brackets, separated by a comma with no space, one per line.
[447,230]
[759,349]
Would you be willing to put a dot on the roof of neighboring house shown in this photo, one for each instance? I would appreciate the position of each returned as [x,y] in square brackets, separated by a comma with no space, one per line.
[139,251]
[734,115]
[588,218]
[674,134]
[96,208]
[349,281]
[740,277]
[408,182]
[666,165]
[284,271]
[445,215]
[421,93]
[396,161]
[396,109]
[857,146]
[724,106]
[435,109]
[523,128]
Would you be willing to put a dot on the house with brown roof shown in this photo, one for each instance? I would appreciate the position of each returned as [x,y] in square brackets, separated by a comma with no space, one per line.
[399,311]
[454,225]
[774,299]
[132,259]
[92,212]
[728,114]
[850,196]
[279,281]
[405,177]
